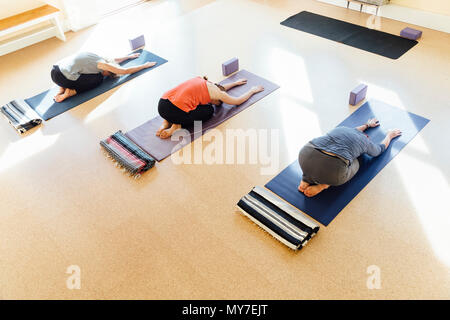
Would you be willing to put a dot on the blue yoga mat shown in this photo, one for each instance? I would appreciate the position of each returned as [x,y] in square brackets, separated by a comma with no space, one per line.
[47,108]
[325,206]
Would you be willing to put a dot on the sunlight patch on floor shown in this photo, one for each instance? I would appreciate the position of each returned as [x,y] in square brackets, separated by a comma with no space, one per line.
[290,73]
[391,97]
[121,97]
[383,94]
[299,125]
[18,151]
[427,199]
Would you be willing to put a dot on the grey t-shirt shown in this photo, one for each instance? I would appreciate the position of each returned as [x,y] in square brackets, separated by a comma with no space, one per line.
[348,143]
[82,63]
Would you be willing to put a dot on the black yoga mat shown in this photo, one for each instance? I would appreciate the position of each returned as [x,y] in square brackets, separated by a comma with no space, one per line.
[378,42]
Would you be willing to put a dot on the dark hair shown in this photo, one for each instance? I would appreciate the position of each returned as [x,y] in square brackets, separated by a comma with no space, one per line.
[220,87]
[113,75]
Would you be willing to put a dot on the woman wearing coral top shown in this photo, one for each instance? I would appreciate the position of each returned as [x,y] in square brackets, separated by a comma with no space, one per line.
[193,100]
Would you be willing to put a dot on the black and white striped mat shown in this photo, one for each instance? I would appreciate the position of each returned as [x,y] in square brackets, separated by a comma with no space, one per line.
[20,115]
[278,218]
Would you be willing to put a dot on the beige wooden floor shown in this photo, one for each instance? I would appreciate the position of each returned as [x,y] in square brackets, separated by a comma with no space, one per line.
[174,233]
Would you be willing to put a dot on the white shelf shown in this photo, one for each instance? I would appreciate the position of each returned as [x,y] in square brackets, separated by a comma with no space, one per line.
[27,38]
[36,28]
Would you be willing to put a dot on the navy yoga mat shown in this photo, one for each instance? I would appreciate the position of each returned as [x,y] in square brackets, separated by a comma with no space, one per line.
[378,42]
[47,108]
[325,206]
[144,135]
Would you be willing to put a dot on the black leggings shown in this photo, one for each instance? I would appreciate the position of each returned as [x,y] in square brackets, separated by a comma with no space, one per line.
[168,111]
[83,83]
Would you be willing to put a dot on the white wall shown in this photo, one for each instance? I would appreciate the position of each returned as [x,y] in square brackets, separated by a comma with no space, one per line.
[436,6]
[418,12]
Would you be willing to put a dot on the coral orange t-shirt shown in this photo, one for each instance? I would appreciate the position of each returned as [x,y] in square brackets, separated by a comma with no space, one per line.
[189,95]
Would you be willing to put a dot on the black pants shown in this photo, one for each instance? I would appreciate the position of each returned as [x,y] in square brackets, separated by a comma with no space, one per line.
[83,83]
[168,111]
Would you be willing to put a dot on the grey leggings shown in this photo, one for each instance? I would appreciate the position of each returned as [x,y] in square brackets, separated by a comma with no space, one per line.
[321,168]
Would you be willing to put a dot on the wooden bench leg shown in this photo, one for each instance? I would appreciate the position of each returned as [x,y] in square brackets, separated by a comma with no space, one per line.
[60,35]
[360,9]
[348,4]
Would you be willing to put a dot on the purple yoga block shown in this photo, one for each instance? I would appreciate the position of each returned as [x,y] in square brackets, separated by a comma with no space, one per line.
[411,33]
[230,66]
[358,94]
[137,42]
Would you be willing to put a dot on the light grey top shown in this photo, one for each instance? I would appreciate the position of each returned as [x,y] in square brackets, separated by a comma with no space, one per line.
[82,63]
[348,143]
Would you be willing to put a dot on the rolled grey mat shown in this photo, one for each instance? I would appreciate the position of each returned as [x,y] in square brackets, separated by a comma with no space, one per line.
[20,115]
[278,218]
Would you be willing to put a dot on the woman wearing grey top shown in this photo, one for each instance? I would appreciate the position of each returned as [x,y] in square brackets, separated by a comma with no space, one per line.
[85,71]
[331,160]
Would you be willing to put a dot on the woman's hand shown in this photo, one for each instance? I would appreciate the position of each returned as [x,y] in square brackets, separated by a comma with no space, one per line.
[394,133]
[257,89]
[134,55]
[372,123]
[236,101]
[148,65]
[240,82]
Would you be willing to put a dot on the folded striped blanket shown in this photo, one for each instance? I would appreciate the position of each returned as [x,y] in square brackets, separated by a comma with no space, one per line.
[127,154]
[20,115]
[278,218]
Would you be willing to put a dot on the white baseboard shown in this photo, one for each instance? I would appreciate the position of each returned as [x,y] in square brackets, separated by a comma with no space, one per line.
[417,17]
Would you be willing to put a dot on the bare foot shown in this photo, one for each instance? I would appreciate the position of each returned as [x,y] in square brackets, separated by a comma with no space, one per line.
[67,93]
[168,132]
[311,191]
[60,92]
[164,126]
[303,185]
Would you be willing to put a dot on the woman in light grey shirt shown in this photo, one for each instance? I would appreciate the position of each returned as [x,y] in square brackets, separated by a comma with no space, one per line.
[332,159]
[85,71]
